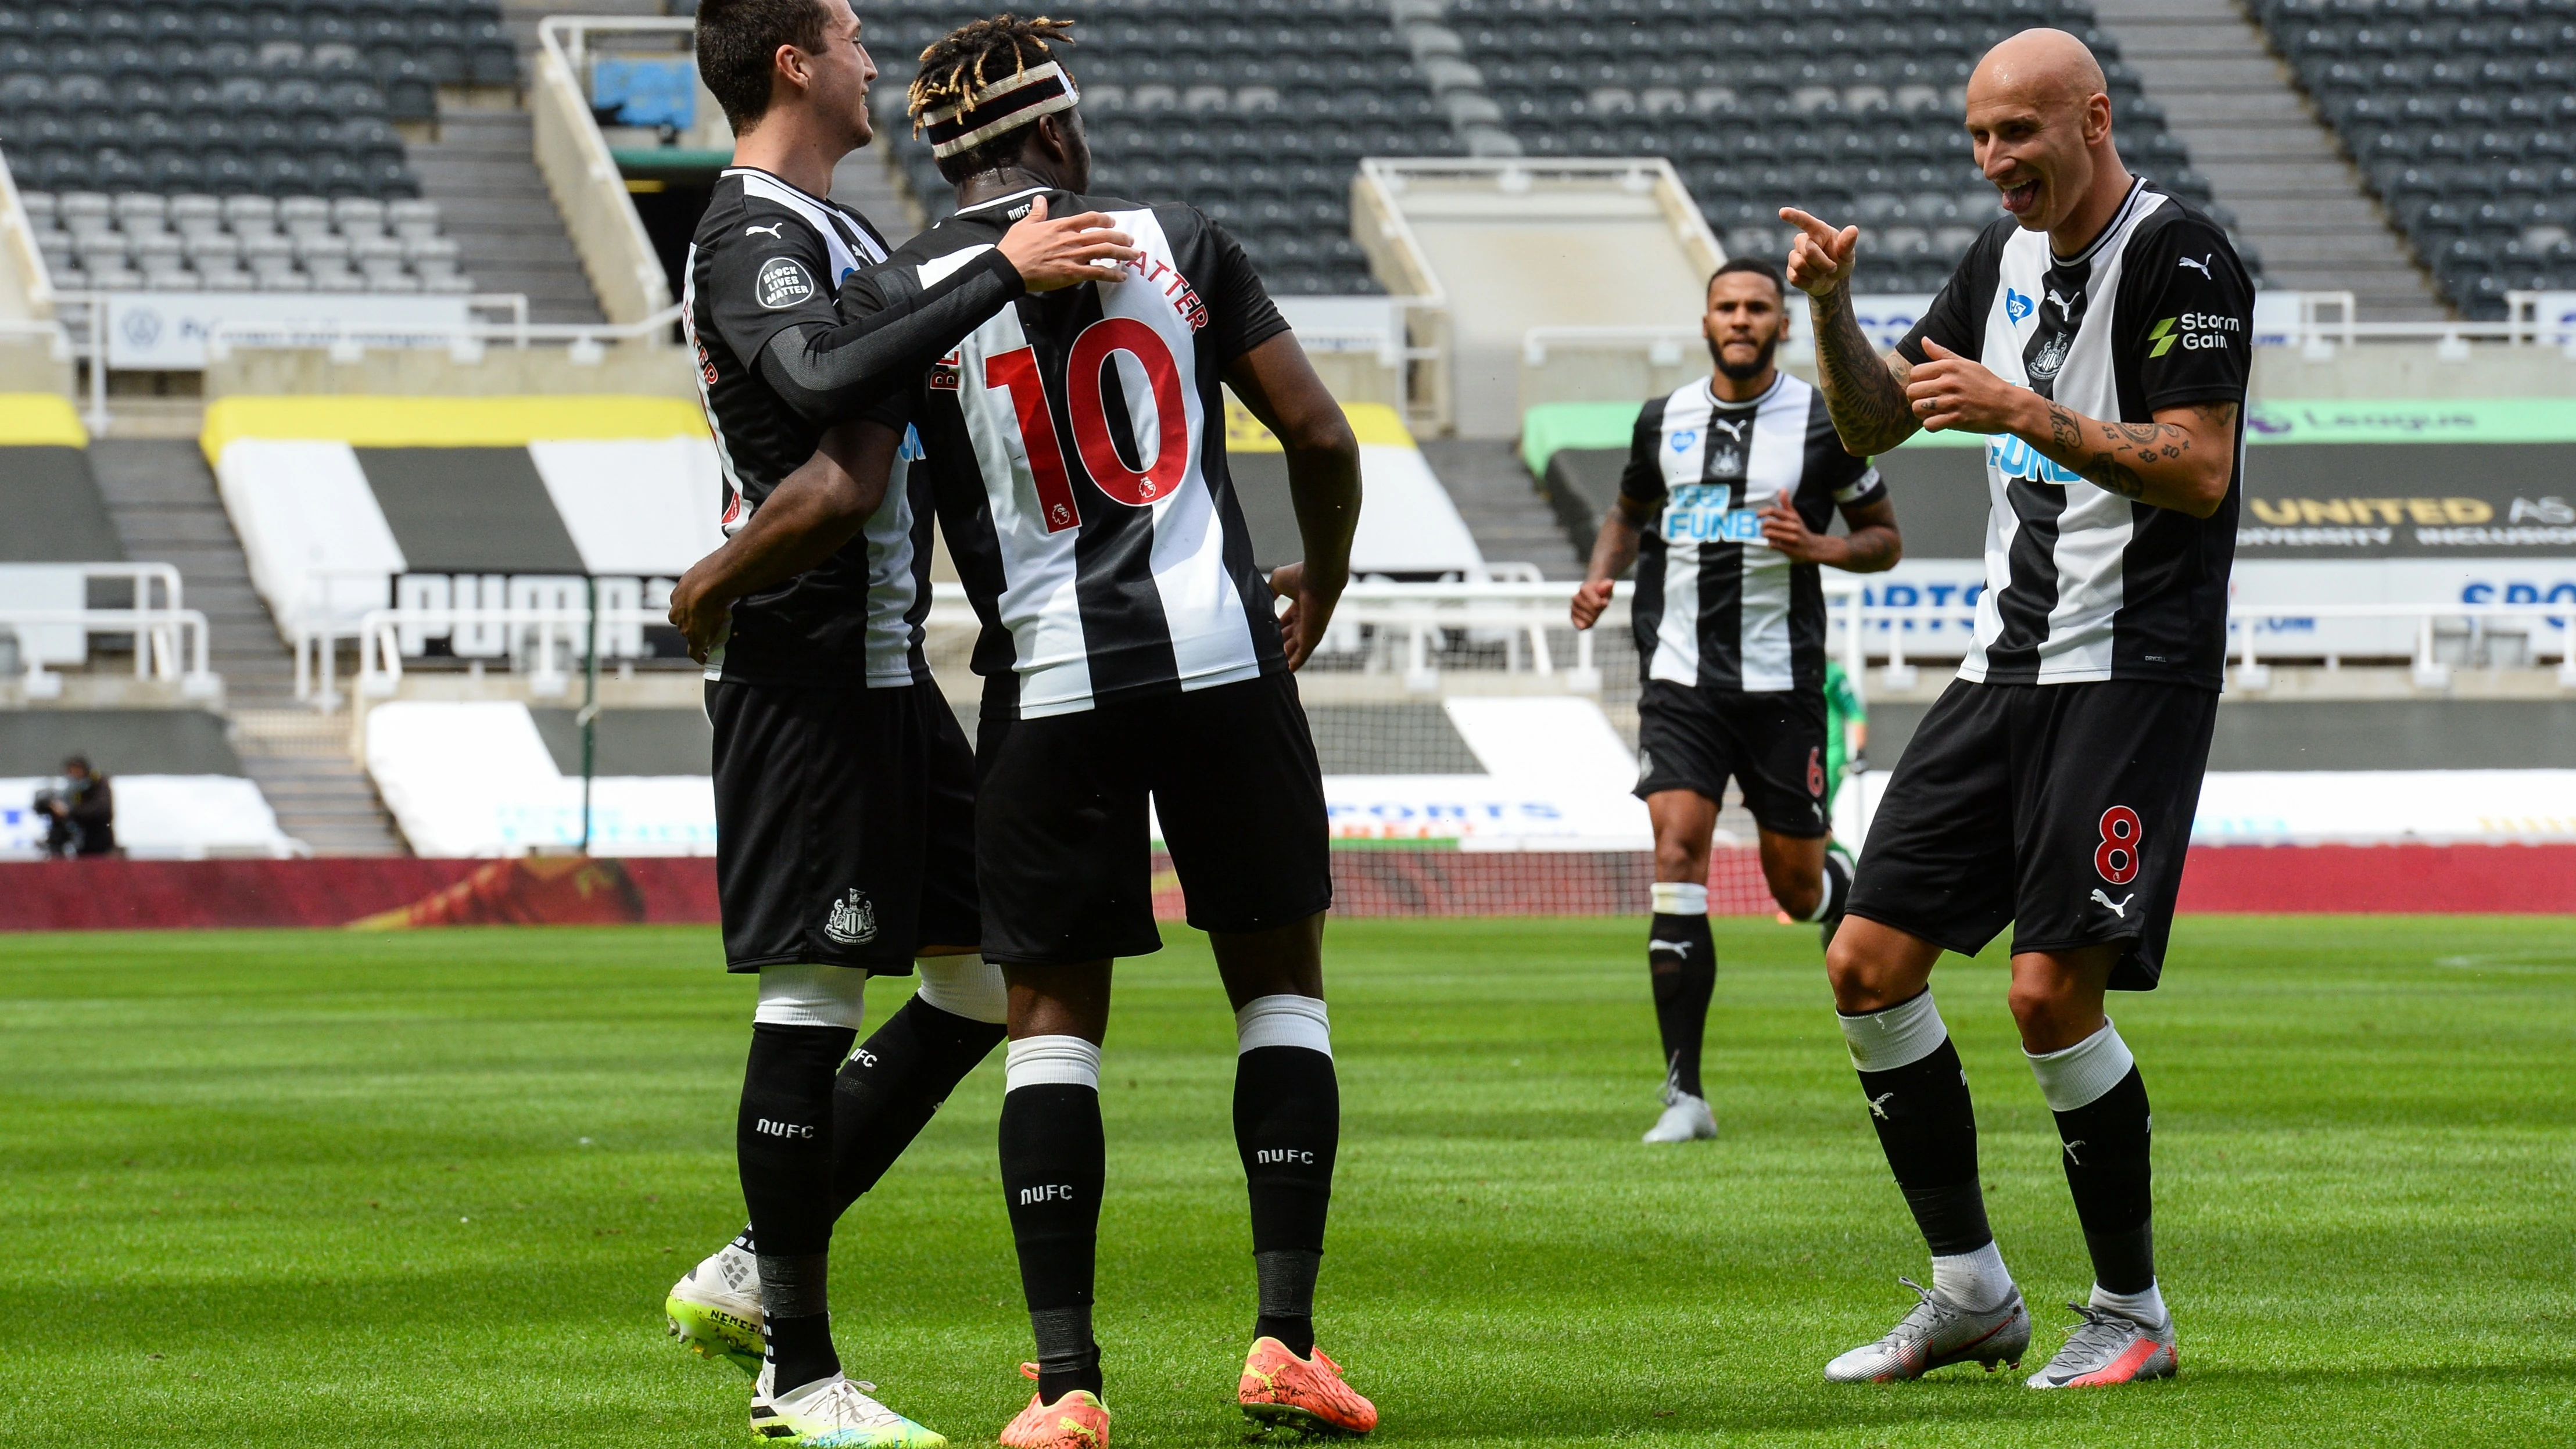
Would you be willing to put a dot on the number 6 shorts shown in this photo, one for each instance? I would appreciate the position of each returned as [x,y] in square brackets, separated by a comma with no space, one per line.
[2064,809]
[1063,834]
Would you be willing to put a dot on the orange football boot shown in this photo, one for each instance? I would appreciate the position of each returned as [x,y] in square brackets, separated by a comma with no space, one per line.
[1077,1421]
[1278,1387]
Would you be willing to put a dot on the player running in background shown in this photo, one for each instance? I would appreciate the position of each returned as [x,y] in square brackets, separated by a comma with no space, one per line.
[1130,648]
[843,784]
[2098,334]
[1731,483]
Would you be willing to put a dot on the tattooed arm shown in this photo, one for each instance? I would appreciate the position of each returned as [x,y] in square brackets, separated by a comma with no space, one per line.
[2182,460]
[1864,392]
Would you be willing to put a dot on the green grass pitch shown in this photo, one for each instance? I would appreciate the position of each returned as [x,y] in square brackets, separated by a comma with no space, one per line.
[417,1190]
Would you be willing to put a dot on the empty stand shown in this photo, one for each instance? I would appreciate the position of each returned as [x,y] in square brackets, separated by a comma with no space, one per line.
[2254,134]
[194,242]
[1849,108]
[1256,113]
[2463,115]
[278,97]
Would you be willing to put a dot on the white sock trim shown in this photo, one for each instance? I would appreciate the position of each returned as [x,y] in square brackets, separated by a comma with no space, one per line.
[967,986]
[2079,1075]
[1882,1041]
[1976,1281]
[1296,1021]
[812,994]
[1051,1060]
[1679,898]
[2147,1307]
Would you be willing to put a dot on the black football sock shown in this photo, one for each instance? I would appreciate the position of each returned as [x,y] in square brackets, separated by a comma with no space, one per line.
[783,1143]
[893,1085]
[2104,1120]
[1288,1127]
[1053,1164]
[1682,957]
[1918,1100]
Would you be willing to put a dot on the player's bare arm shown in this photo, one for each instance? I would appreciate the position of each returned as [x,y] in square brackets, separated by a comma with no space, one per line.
[1872,546]
[806,519]
[2182,460]
[1279,385]
[1614,552]
[1864,391]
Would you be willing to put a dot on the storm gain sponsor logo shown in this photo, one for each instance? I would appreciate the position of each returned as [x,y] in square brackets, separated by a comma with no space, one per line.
[2193,332]
[783,282]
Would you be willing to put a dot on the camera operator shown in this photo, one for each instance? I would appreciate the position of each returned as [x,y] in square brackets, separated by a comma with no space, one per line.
[82,813]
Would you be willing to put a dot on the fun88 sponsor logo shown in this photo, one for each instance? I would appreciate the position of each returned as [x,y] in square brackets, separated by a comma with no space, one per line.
[1698,513]
[2014,458]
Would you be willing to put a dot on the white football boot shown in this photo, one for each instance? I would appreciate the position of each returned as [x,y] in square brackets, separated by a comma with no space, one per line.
[714,1310]
[2110,1348]
[1937,1332]
[1686,1118]
[833,1414]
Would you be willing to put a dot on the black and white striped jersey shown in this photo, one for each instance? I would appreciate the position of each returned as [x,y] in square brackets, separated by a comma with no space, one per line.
[1077,443]
[768,257]
[2081,583]
[1716,605]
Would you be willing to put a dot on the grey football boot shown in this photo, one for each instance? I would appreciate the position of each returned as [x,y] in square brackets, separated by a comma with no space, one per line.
[1937,1332]
[2110,1348]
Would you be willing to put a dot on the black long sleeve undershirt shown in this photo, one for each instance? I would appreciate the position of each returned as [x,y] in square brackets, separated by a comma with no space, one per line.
[829,374]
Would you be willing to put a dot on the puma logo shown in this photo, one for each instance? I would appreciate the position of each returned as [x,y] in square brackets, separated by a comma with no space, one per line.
[1677,948]
[2201,266]
[771,229]
[2070,1152]
[1734,429]
[1878,1106]
[2066,305]
[2119,907]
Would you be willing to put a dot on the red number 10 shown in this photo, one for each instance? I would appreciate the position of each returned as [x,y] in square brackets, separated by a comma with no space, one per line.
[1017,370]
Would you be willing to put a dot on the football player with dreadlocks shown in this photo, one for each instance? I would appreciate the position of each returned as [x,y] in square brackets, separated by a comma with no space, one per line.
[844,788]
[1131,649]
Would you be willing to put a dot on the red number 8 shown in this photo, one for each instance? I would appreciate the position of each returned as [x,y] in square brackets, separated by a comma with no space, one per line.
[2117,857]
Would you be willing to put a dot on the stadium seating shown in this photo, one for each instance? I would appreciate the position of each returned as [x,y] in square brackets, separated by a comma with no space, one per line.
[194,242]
[1255,113]
[2463,115]
[236,145]
[276,97]
[1847,107]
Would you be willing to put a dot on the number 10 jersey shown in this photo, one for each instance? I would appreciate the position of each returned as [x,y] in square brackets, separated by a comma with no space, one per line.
[1076,443]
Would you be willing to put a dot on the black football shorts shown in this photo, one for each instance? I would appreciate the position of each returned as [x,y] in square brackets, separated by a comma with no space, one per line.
[1063,840]
[2064,809]
[1773,743]
[845,825]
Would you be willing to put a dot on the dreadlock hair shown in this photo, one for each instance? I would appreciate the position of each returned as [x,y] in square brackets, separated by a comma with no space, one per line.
[971,57]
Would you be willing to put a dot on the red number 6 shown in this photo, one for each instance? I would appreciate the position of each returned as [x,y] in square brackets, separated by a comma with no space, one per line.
[2116,859]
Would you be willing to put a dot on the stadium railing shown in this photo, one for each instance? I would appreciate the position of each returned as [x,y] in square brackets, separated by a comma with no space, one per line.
[170,642]
[1409,629]
[588,188]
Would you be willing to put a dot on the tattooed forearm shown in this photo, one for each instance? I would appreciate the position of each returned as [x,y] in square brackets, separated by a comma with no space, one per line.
[1864,394]
[1870,550]
[2111,473]
[2182,460]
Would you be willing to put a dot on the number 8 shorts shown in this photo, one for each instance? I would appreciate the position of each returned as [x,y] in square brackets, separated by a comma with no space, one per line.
[2064,809]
